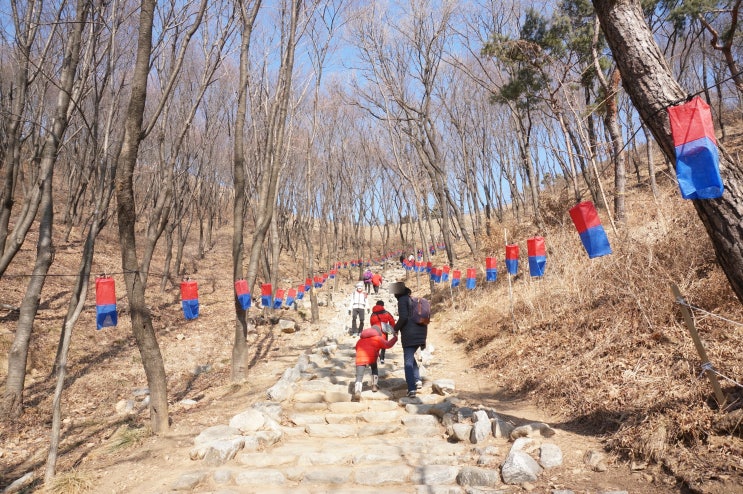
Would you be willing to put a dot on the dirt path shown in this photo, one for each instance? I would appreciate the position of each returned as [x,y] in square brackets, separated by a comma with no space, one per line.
[162,464]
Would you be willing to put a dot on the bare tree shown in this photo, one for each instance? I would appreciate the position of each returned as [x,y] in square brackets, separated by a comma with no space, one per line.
[248,15]
[13,396]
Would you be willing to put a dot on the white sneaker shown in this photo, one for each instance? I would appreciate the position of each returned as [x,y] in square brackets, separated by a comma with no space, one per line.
[418,384]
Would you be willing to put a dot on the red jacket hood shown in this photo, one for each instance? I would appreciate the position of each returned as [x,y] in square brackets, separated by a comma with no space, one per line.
[378,308]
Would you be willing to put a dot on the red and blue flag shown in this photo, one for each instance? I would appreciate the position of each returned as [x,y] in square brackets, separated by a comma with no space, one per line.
[190,299]
[105,303]
[591,231]
[697,156]
[512,258]
[243,294]
[537,256]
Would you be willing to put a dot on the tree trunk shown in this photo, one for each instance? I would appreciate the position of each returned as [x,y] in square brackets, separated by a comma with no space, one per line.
[248,15]
[650,84]
[141,318]
[272,152]
[12,402]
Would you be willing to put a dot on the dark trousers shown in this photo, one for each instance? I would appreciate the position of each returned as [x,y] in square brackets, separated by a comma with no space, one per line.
[412,373]
[360,314]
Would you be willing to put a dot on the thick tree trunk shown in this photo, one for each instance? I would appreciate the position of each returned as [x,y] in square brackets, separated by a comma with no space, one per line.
[141,318]
[240,344]
[650,84]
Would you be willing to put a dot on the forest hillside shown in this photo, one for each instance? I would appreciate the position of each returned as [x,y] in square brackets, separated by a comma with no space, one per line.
[600,343]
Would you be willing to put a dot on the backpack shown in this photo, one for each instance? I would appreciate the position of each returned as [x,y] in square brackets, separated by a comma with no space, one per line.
[420,311]
[387,328]
[368,276]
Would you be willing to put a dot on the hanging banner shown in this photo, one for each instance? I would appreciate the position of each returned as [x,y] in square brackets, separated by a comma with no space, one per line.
[491,271]
[456,278]
[512,258]
[105,303]
[266,295]
[445,274]
[471,278]
[190,299]
[589,227]
[243,294]
[429,266]
[307,284]
[333,272]
[300,292]
[278,300]
[290,297]
[697,156]
[436,275]
[537,256]
[318,281]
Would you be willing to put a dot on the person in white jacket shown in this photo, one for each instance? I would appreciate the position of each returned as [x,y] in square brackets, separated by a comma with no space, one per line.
[358,308]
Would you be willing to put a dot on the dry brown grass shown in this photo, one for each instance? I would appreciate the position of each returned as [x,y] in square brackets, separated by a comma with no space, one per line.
[602,342]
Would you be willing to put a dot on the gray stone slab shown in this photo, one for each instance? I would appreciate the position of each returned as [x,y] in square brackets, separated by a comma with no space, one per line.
[263,460]
[378,429]
[309,396]
[435,474]
[337,396]
[420,420]
[481,477]
[440,489]
[383,475]
[222,476]
[331,475]
[341,418]
[331,430]
[386,416]
[189,480]
[309,407]
[430,431]
[265,476]
[305,418]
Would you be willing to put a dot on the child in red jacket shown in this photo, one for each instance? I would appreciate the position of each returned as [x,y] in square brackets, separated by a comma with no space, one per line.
[380,317]
[367,352]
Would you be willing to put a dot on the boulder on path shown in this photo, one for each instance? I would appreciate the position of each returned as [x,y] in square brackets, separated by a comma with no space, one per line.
[287,326]
[519,468]
[532,430]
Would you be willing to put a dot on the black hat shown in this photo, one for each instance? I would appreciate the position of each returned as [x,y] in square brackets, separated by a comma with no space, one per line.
[380,302]
[397,288]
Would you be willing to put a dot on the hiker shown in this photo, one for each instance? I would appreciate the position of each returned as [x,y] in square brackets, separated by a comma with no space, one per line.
[367,352]
[376,281]
[357,308]
[380,317]
[368,280]
[413,336]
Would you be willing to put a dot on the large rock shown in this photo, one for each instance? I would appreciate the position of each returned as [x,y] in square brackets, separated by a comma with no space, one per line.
[287,326]
[443,386]
[217,444]
[519,468]
[482,477]
[532,430]
[248,421]
[550,455]
[481,429]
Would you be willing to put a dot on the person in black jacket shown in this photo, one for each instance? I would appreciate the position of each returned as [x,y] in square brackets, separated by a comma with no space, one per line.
[413,336]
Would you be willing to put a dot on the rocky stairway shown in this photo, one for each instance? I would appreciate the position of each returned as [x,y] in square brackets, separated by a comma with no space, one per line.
[309,437]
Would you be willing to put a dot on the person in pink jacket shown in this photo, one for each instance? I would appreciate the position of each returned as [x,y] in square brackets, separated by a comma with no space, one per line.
[367,352]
